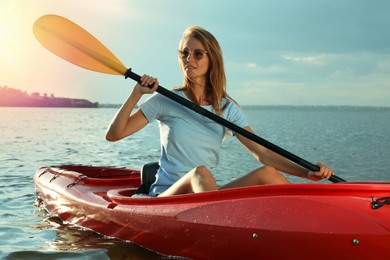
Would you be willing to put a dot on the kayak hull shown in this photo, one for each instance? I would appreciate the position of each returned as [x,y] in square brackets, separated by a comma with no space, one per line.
[271,221]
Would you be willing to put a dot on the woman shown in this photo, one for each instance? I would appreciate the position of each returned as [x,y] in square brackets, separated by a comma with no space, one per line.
[190,143]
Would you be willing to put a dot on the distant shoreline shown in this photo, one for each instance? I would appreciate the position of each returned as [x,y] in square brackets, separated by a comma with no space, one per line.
[10,97]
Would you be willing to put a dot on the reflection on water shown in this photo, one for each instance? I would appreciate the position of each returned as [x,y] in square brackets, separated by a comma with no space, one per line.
[84,242]
[72,242]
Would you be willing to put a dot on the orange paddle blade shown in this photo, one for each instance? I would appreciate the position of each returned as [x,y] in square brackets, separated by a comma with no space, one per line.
[74,44]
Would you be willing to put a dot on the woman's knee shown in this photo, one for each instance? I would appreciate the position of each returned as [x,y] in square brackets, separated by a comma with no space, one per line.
[201,172]
[269,169]
[269,175]
[202,175]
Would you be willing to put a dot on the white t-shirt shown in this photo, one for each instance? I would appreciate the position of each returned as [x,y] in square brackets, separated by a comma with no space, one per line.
[187,138]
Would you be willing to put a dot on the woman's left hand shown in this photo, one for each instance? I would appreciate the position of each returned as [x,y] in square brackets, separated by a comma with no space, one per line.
[324,173]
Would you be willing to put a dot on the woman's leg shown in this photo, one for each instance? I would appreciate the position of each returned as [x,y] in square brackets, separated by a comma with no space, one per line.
[263,175]
[197,180]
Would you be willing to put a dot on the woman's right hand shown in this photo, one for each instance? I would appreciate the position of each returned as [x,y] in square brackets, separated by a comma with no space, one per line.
[144,86]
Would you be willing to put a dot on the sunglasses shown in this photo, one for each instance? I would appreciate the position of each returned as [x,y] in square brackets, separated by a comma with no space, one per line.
[197,54]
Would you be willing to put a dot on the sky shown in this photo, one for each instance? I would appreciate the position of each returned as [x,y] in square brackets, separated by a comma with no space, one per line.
[280,52]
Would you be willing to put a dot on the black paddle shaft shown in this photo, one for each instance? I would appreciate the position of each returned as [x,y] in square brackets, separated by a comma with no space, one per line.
[200,110]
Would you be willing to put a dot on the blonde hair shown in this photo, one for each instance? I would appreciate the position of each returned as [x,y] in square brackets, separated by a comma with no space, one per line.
[216,79]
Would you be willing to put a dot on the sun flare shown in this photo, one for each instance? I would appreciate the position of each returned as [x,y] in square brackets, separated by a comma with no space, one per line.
[3,36]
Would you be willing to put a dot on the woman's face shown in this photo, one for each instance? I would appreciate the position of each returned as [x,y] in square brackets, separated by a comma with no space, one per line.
[193,67]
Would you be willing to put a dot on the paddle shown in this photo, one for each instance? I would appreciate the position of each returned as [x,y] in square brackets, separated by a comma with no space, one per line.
[72,43]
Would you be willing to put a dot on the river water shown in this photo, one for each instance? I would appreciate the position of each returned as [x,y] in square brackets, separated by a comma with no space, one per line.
[354,141]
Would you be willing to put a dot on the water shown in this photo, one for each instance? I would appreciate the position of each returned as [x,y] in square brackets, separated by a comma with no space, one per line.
[355,142]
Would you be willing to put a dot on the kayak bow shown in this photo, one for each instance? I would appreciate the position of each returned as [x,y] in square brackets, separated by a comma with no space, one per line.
[349,220]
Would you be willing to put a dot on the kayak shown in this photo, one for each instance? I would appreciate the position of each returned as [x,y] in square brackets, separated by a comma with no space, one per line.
[346,220]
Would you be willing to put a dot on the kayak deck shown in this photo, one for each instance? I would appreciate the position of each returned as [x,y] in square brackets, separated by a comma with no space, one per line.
[321,220]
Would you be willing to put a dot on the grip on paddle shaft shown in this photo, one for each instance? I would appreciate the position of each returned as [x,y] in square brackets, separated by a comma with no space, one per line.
[316,168]
[233,127]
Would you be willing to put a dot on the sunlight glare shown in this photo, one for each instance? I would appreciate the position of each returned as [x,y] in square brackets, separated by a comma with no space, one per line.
[3,37]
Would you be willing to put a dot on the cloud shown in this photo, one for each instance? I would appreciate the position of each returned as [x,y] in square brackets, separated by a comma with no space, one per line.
[355,78]
[319,60]
[305,93]
[255,67]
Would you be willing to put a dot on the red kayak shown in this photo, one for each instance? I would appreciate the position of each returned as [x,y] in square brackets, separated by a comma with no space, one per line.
[294,221]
